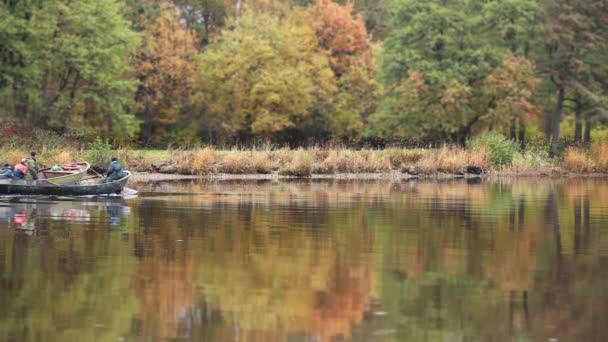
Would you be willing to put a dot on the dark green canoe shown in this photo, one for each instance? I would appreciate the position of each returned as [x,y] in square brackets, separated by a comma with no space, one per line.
[44,187]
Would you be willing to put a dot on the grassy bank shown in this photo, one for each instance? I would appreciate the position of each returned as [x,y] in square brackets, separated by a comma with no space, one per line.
[304,162]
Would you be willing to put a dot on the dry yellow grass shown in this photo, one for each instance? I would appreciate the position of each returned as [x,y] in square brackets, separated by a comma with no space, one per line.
[234,162]
[577,160]
[451,159]
[200,161]
[13,157]
[599,154]
[243,161]
[261,162]
[134,160]
[64,157]
[303,162]
[400,158]
[46,157]
[300,165]
[349,161]
[531,163]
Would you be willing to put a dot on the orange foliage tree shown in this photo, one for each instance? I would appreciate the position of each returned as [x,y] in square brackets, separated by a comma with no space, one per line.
[511,87]
[342,35]
[164,65]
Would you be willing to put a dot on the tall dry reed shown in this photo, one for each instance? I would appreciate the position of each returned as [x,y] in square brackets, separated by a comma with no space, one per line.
[450,159]
[578,160]
[200,161]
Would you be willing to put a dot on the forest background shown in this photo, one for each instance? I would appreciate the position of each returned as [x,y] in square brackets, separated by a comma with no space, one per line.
[300,72]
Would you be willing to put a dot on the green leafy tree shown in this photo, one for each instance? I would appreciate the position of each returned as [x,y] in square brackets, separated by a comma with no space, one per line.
[576,46]
[447,51]
[205,17]
[358,98]
[67,64]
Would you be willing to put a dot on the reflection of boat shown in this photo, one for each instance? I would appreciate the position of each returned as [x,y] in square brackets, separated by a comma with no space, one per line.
[69,173]
[36,212]
[45,187]
[69,214]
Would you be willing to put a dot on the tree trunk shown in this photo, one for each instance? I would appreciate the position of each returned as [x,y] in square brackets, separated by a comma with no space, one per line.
[464,133]
[513,128]
[587,136]
[578,122]
[238,12]
[522,134]
[547,124]
[556,120]
[147,129]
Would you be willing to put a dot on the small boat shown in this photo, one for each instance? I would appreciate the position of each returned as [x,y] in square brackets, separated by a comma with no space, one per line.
[68,174]
[86,187]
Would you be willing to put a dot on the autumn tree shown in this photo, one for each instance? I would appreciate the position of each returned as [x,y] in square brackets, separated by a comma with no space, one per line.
[342,35]
[358,97]
[264,76]
[516,26]
[164,65]
[509,90]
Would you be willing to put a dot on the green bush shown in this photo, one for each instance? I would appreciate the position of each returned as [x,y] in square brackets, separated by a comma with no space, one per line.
[501,149]
[99,152]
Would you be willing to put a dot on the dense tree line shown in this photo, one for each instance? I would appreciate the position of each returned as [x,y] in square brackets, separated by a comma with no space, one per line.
[303,71]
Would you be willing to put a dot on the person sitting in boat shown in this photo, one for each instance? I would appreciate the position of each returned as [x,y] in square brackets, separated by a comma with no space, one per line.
[32,166]
[20,170]
[114,171]
[6,172]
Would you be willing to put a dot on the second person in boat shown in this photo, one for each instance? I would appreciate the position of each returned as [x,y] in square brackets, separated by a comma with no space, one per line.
[20,170]
[114,171]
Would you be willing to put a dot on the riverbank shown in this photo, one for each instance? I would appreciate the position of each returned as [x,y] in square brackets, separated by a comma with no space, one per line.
[392,163]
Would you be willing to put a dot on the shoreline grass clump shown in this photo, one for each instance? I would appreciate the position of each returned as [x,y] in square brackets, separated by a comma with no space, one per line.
[245,162]
[350,161]
[599,154]
[450,159]
[200,161]
[403,159]
[593,159]
[300,164]
[532,162]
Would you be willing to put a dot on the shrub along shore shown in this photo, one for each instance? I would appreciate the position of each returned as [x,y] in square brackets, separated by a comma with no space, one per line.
[447,160]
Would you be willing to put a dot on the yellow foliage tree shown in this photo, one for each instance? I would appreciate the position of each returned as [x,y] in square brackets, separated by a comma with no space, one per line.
[164,65]
[360,93]
[264,76]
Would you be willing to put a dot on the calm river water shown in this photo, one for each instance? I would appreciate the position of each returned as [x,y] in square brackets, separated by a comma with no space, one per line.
[497,260]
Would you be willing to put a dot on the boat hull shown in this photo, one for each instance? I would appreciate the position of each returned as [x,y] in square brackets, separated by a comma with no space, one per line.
[43,187]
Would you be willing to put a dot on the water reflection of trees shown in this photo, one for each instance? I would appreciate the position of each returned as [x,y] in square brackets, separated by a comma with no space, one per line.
[63,283]
[508,262]
[293,259]
[271,272]
[275,261]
